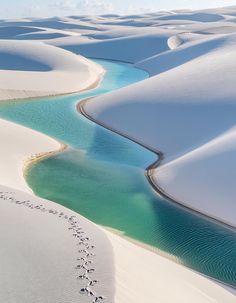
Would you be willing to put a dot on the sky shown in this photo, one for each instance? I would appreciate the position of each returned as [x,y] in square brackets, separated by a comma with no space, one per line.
[47,8]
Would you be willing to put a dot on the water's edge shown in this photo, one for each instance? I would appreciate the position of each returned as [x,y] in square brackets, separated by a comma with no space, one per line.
[150,169]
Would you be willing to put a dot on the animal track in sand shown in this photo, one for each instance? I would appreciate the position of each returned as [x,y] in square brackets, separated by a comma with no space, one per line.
[85,254]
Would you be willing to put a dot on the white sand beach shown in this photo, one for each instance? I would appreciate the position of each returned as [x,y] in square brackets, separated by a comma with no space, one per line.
[51,254]
[33,69]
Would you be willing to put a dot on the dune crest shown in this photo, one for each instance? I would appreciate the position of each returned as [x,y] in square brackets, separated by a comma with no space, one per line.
[31,69]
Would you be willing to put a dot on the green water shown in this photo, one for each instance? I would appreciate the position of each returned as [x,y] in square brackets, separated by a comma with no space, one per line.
[102,177]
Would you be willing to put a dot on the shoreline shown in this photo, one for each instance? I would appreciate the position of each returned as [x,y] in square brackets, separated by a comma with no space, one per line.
[92,86]
[120,234]
[149,170]
[15,157]
[148,247]
[165,255]
[34,159]
[53,71]
[27,161]
[44,155]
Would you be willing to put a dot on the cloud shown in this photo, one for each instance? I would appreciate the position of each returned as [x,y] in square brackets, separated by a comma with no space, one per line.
[99,5]
[84,6]
[34,10]
[64,5]
[133,9]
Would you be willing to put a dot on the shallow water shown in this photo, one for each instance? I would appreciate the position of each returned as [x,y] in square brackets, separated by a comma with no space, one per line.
[102,177]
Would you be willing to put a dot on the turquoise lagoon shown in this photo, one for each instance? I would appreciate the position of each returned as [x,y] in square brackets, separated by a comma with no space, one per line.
[101,176]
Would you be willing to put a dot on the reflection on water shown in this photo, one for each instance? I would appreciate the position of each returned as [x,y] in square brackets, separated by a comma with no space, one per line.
[102,177]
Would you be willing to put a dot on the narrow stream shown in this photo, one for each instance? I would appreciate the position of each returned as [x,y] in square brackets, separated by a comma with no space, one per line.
[101,176]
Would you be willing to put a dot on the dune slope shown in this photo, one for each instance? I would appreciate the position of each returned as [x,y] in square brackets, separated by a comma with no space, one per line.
[180,109]
[30,69]
[20,145]
[42,261]
[128,49]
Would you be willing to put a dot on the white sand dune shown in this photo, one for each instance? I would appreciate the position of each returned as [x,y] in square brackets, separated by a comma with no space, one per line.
[227,10]
[209,172]
[41,36]
[178,86]
[52,23]
[30,69]
[39,256]
[24,32]
[211,28]
[11,32]
[70,41]
[199,17]
[20,144]
[186,48]
[174,42]
[129,49]
[189,102]
[179,39]
[127,31]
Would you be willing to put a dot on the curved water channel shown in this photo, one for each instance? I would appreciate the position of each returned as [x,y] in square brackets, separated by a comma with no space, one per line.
[101,176]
